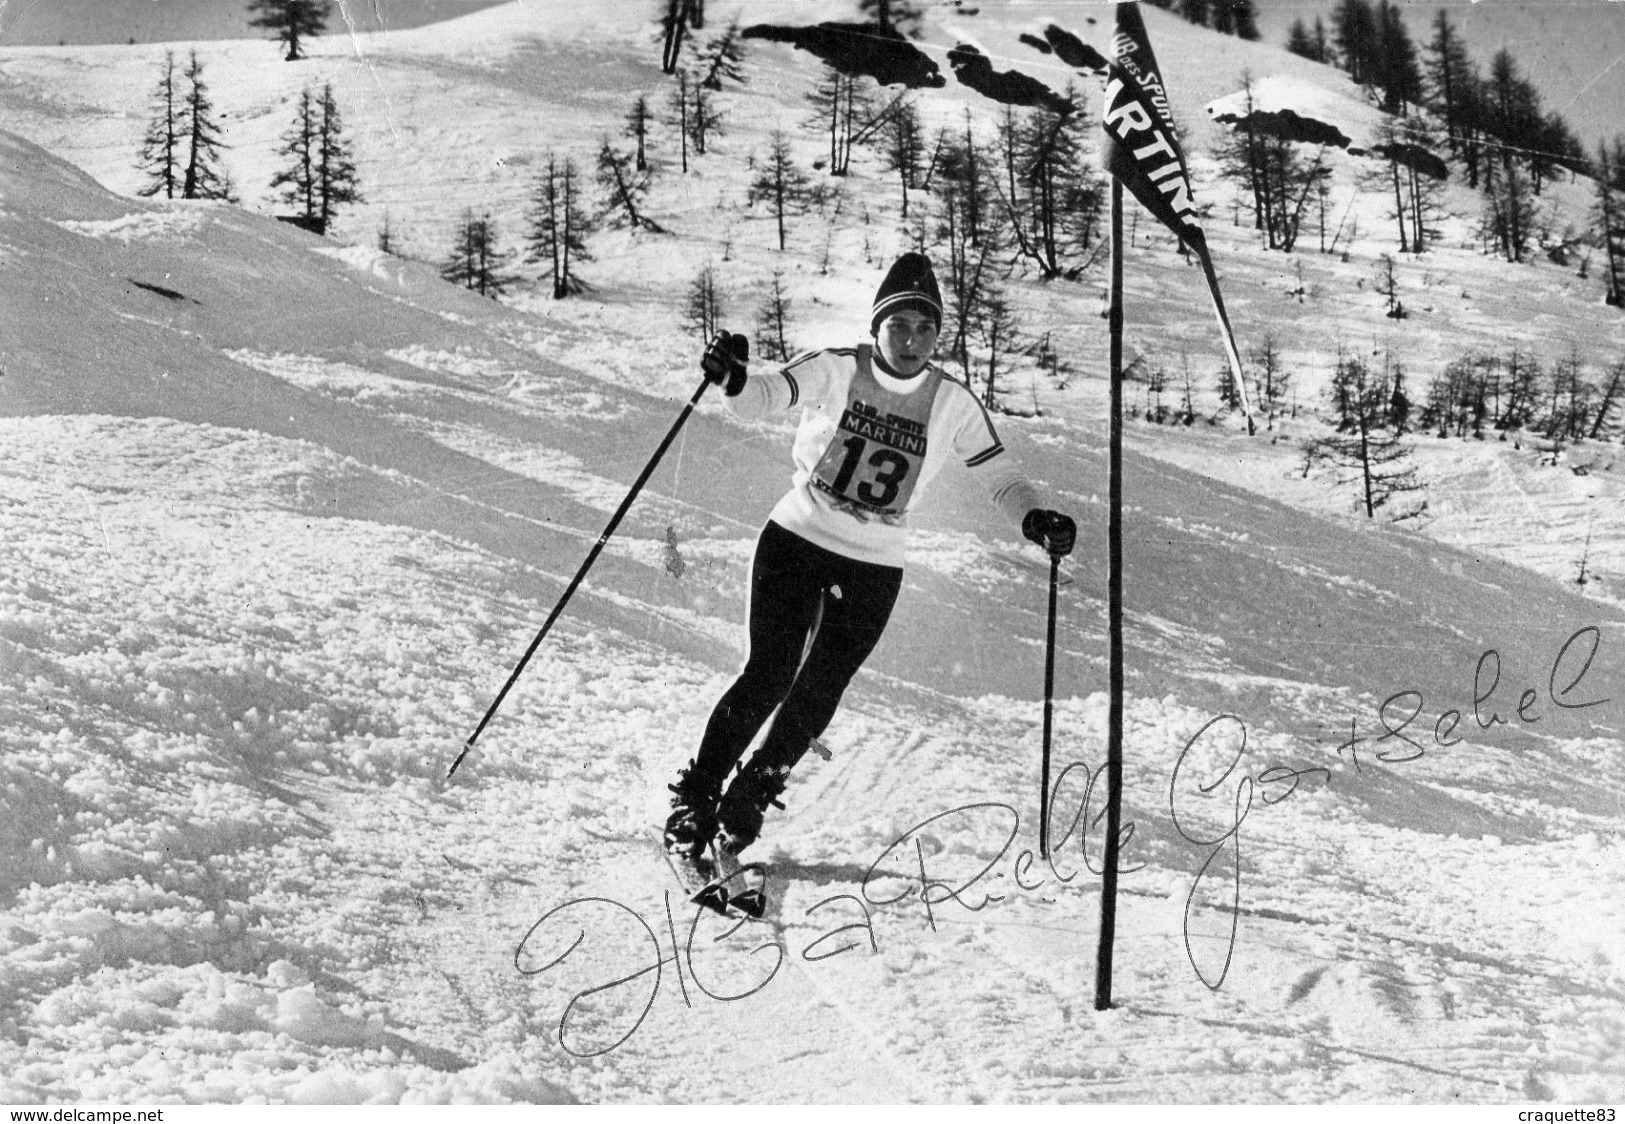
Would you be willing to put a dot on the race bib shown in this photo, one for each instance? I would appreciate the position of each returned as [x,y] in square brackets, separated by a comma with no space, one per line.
[870,465]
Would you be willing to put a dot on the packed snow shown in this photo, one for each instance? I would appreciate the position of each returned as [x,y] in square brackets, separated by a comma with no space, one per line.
[274,536]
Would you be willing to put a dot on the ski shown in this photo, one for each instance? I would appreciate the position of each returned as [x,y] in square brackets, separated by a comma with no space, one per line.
[720,883]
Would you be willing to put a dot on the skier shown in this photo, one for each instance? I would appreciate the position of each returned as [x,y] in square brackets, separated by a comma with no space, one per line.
[878,422]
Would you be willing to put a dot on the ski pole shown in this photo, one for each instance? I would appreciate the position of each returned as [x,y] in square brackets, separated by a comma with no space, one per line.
[1049,696]
[592,556]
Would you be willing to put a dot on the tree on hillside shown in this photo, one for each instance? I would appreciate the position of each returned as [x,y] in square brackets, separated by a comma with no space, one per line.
[905,147]
[1186,413]
[1155,380]
[1194,11]
[1393,173]
[704,117]
[1355,33]
[1513,115]
[161,146]
[1610,191]
[969,262]
[1512,108]
[773,321]
[1309,43]
[723,59]
[1556,149]
[1342,392]
[1277,178]
[702,305]
[476,262]
[1522,395]
[1569,402]
[1514,102]
[1364,452]
[1507,108]
[1011,182]
[935,154]
[1424,180]
[1271,378]
[1229,392]
[1385,280]
[784,187]
[292,20]
[298,180]
[1397,73]
[1509,207]
[1050,191]
[834,100]
[203,176]
[1399,402]
[1612,396]
[1496,390]
[848,109]
[321,174]
[1377,51]
[624,188]
[1472,139]
[1048,358]
[637,127]
[1448,71]
[993,324]
[1457,402]
[966,170]
[337,180]
[1235,17]
[1410,177]
[558,226]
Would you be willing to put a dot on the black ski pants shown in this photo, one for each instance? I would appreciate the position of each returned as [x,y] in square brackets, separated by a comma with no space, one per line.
[814,617]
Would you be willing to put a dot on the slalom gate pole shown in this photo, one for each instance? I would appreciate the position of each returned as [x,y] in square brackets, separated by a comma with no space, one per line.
[1114,619]
[1049,709]
[592,556]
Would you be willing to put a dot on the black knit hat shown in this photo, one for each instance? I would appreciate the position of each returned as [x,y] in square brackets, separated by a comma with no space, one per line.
[909,284]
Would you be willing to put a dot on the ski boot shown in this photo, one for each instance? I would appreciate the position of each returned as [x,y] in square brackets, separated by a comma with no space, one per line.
[693,819]
[739,817]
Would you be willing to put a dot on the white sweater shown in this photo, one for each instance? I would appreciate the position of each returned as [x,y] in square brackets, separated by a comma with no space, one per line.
[869,444]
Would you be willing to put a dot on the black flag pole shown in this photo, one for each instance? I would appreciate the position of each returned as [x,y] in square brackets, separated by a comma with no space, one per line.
[1114,616]
[1140,151]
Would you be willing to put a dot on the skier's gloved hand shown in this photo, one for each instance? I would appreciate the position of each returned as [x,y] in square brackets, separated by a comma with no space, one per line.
[724,361]
[1051,530]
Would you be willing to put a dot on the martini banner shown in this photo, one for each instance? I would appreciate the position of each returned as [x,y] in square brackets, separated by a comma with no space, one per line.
[1141,151]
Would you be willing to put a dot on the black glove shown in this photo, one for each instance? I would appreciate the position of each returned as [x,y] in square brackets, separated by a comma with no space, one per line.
[724,361]
[1051,530]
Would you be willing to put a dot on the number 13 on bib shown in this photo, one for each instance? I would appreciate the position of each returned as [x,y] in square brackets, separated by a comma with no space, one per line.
[873,460]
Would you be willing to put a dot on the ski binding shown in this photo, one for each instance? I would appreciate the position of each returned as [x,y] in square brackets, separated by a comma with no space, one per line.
[719,882]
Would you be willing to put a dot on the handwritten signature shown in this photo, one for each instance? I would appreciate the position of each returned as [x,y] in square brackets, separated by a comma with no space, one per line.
[1221,744]
[739,958]
[726,960]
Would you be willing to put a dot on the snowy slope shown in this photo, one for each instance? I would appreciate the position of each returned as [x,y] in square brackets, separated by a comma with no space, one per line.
[279,515]
[460,114]
[62,22]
